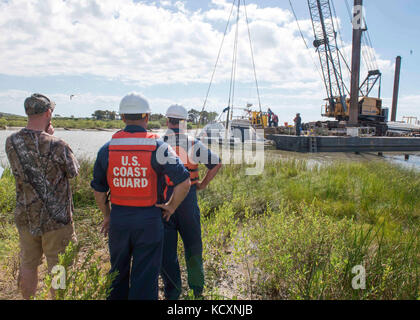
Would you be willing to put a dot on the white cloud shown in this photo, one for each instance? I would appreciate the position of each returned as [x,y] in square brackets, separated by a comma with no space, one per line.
[166,3]
[141,42]
[158,43]
[221,3]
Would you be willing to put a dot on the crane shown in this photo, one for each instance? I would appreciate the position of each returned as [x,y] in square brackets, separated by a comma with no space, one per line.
[332,60]
[328,51]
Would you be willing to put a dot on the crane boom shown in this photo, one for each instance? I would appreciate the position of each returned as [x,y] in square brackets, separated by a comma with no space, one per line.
[329,55]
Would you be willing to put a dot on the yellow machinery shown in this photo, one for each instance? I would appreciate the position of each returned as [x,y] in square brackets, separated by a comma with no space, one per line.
[259,119]
[369,108]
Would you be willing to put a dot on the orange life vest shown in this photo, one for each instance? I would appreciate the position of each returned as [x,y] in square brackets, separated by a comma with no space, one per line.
[184,156]
[131,178]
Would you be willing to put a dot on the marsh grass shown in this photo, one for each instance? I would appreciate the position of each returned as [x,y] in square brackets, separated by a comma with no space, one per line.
[294,232]
[75,123]
[372,193]
[84,277]
[301,254]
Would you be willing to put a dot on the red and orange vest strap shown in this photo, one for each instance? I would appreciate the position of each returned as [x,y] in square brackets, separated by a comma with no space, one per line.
[185,158]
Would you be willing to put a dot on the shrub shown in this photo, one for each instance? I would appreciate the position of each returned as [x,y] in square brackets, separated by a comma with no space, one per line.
[17,123]
[7,194]
[304,255]
[153,125]
[84,278]
[163,122]
[82,191]
[3,123]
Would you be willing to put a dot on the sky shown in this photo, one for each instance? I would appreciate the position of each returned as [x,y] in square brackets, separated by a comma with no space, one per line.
[100,50]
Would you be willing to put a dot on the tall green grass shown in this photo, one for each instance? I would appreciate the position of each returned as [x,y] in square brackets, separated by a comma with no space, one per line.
[372,193]
[84,279]
[294,232]
[302,254]
[302,229]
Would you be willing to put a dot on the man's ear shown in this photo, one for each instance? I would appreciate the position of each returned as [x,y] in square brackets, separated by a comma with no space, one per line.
[48,114]
[123,118]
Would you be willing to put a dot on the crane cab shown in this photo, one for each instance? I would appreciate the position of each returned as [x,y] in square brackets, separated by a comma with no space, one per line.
[370,109]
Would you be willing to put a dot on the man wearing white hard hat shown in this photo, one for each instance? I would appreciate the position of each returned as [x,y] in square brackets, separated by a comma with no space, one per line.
[186,219]
[127,167]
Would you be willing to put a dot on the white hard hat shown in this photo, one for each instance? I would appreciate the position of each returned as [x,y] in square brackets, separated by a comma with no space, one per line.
[134,103]
[177,112]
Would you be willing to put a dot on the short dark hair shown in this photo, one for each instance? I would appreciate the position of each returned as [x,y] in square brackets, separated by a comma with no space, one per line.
[174,121]
[134,116]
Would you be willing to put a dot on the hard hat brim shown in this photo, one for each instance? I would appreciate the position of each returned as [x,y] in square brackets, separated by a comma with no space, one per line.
[175,117]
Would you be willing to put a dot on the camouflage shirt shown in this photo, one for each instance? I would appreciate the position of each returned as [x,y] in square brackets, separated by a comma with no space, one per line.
[42,165]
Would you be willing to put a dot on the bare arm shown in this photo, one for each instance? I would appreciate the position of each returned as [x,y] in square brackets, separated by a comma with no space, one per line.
[179,194]
[209,176]
[101,199]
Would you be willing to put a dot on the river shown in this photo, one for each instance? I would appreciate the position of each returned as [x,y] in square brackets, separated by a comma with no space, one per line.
[86,143]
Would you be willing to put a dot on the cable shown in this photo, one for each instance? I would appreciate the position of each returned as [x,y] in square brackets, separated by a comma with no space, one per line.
[369,54]
[253,60]
[345,58]
[349,11]
[215,66]
[369,41]
[234,65]
[304,40]
[234,68]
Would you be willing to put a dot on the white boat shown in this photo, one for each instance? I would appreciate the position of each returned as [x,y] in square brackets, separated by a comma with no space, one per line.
[239,131]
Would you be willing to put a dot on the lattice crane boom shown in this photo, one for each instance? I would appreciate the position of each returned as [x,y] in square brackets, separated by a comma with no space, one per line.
[328,51]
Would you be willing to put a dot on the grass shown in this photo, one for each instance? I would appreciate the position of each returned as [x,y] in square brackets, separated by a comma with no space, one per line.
[368,192]
[294,232]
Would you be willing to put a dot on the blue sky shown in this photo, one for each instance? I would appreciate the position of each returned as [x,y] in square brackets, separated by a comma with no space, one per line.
[100,50]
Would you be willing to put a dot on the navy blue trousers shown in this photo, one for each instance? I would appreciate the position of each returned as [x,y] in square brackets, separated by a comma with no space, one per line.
[135,247]
[186,221]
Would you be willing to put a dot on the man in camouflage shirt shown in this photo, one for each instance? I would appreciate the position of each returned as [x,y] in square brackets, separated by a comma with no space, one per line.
[42,165]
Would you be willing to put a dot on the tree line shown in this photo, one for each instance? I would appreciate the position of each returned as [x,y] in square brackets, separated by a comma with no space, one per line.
[194,116]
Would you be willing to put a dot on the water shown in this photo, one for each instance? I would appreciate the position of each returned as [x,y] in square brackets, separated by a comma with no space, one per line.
[86,144]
